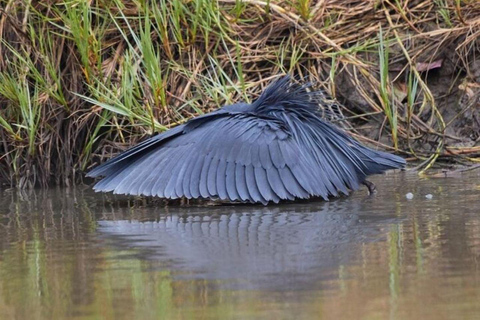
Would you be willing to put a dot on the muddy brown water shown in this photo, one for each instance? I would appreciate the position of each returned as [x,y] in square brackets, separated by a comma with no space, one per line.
[77,254]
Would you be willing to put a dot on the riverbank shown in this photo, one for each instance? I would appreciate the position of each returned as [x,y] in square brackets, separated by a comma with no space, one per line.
[82,81]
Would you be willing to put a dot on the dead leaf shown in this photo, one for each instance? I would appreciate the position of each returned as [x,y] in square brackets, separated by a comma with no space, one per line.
[425,66]
[400,90]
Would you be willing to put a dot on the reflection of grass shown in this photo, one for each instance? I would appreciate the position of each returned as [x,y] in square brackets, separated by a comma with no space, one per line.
[394,263]
[41,283]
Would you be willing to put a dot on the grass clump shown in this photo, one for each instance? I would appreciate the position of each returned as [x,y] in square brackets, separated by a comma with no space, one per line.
[82,80]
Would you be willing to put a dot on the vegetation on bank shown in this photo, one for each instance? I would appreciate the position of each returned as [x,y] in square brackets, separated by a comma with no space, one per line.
[82,80]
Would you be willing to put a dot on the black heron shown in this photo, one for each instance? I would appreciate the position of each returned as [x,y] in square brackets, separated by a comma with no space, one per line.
[276,148]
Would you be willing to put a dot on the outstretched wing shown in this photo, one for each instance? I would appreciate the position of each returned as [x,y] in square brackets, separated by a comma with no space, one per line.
[239,157]
[276,148]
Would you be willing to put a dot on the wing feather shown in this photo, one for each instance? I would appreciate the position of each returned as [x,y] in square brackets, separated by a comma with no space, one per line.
[179,191]
[161,158]
[212,177]
[241,183]
[252,184]
[231,182]
[172,182]
[203,177]
[195,179]
[151,162]
[165,172]
[264,186]
[221,179]
[191,162]
[276,183]
[289,154]
[291,184]
[276,154]
[122,181]
[265,158]
[255,155]
[106,184]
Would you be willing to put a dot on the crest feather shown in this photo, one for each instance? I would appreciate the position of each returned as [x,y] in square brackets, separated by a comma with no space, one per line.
[286,95]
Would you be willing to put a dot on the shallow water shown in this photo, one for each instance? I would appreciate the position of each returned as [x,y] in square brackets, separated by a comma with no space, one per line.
[77,254]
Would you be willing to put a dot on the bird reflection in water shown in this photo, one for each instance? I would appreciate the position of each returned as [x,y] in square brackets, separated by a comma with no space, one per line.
[282,247]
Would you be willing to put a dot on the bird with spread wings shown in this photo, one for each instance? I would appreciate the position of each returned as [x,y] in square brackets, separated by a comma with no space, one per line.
[277,148]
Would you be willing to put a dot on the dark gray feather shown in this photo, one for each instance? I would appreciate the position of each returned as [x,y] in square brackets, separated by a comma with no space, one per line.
[252,184]
[221,183]
[231,183]
[241,183]
[212,177]
[203,177]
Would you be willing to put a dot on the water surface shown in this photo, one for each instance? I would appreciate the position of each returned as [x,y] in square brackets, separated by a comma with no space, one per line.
[77,254]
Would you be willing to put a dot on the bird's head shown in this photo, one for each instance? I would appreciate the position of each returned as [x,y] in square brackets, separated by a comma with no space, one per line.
[286,95]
